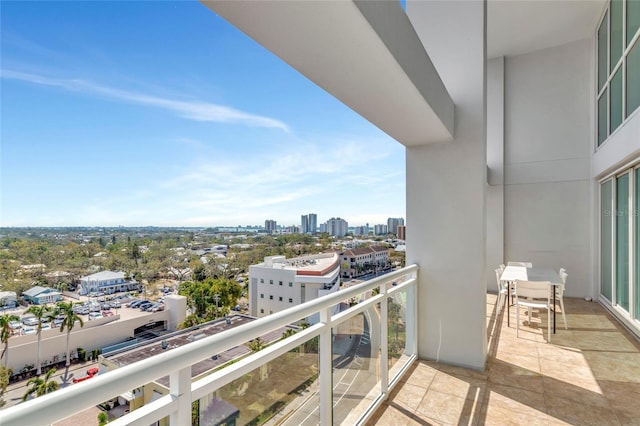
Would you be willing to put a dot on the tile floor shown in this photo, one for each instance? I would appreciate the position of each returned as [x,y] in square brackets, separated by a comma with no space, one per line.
[588,375]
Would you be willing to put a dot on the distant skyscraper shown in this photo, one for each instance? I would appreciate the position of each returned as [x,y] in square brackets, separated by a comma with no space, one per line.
[380,229]
[323,228]
[270,226]
[337,227]
[313,223]
[309,223]
[393,223]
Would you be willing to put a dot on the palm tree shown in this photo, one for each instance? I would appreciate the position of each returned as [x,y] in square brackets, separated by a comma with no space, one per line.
[41,386]
[70,318]
[39,311]
[5,333]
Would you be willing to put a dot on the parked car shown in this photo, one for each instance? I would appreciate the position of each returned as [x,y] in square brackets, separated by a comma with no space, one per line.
[115,304]
[28,330]
[157,308]
[30,321]
[95,315]
[15,325]
[144,306]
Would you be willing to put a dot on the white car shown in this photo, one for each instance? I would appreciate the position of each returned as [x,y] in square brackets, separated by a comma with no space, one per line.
[28,330]
[95,315]
[14,325]
[30,321]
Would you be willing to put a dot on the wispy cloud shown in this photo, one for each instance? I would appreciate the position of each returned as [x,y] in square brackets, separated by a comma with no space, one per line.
[192,110]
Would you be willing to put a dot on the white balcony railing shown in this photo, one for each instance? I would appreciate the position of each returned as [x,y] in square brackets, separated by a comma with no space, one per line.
[347,387]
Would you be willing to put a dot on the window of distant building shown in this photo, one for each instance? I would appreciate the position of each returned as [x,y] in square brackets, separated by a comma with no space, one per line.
[290,284]
[261,295]
[280,282]
[618,65]
[280,299]
[271,297]
[290,300]
[270,281]
[262,311]
[262,280]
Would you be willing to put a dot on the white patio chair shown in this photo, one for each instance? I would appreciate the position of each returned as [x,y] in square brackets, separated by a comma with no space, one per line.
[502,291]
[560,292]
[533,295]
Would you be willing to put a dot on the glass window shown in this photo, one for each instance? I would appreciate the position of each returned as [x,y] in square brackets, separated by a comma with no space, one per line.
[622,241]
[637,243]
[271,297]
[280,282]
[280,299]
[633,19]
[603,36]
[616,33]
[290,300]
[262,280]
[633,78]
[270,281]
[290,284]
[261,295]
[262,311]
[602,118]
[606,238]
[615,103]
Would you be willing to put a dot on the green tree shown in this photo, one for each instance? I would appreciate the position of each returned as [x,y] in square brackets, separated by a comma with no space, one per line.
[70,318]
[39,311]
[5,373]
[103,418]
[5,333]
[39,386]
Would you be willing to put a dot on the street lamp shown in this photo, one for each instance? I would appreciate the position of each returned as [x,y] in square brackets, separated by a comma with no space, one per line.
[216,297]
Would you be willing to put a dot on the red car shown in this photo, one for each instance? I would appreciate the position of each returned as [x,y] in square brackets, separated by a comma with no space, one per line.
[90,373]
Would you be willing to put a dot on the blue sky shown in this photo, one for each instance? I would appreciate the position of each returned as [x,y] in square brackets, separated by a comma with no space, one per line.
[161,113]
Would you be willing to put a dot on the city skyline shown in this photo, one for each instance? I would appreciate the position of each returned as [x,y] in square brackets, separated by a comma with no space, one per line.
[198,126]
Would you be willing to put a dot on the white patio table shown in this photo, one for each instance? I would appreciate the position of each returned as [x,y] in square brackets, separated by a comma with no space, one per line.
[513,273]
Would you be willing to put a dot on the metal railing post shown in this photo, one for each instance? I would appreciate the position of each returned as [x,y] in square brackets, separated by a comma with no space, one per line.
[180,387]
[326,373]
[384,341]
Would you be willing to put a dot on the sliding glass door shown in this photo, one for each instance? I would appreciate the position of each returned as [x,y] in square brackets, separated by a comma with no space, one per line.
[606,239]
[622,241]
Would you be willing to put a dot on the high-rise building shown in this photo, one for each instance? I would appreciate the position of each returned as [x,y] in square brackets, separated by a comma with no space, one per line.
[380,229]
[309,223]
[270,226]
[337,227]
[402,232]
[323,228]
[393,223]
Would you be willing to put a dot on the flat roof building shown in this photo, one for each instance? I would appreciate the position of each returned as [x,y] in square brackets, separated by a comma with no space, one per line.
[279,283]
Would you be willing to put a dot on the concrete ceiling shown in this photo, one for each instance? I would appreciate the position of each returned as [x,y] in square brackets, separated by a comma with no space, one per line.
[516,27]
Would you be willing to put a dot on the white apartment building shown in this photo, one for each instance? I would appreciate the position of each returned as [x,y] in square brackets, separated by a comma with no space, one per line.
[393,223]
[363,260]
[337,227]
[280,283]
[106,282]
[380,229]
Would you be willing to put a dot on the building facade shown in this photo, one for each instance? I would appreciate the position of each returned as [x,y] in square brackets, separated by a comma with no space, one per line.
[106,282]
[365,260]
[380,229]
[279,283]
[270,226]
[337,227]
[393,223]
[38,295]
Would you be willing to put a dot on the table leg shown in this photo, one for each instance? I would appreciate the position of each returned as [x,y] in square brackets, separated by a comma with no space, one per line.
[508,302]
[554,309]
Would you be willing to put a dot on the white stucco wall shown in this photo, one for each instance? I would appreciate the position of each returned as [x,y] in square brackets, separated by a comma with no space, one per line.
[548,146]
[446,185]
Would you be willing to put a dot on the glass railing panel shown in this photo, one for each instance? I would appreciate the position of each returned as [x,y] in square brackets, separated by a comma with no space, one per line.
[396,326]
[280,391]
[356,365]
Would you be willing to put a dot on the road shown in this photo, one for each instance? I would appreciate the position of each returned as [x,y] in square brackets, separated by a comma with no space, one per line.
[355,372]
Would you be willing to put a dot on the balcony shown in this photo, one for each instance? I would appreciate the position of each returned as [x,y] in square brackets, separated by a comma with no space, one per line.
[588,374]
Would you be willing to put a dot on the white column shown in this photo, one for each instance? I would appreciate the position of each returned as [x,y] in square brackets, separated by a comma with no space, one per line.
[446,185]
[180,387]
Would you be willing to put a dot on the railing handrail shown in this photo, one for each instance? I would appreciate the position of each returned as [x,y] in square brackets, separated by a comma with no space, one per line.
[65,402]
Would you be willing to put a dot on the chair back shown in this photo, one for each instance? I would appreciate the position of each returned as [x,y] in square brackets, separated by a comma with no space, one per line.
[533,289]
[501,284]
[525,264]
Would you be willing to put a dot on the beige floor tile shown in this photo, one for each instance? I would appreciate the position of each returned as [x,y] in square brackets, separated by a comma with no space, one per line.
[562,355]
[463,387]
[407,396]
[448,409]
[559,390]
[421,375]
[513,398]
[503,416]
[581,376]
[580,414]
[460,371]
[390,415]
[529,362]
[622,395]
[615,366]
